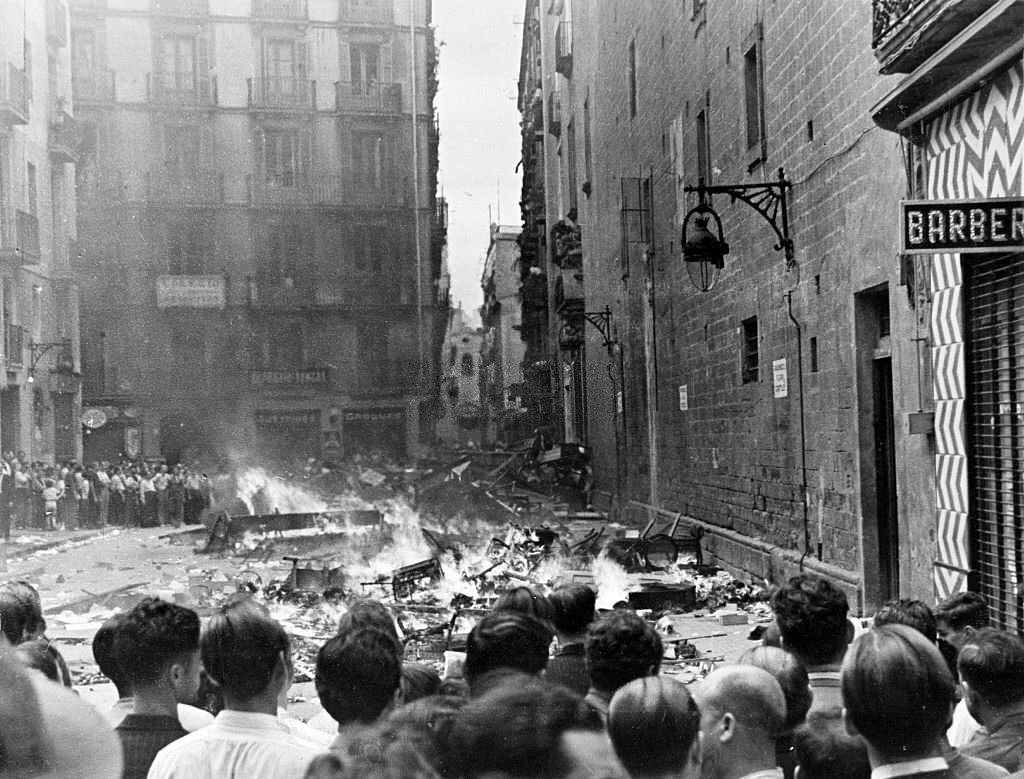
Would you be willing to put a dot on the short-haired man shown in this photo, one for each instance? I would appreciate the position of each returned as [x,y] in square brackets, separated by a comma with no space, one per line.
[620,647]
[991,664]
[357,678]
[157,648]
[191,717]
[897,692]
[811,614]
[573,606]
[654,726]
[742,711]
[505,641]
[247,655]
[825,750]
[956,619]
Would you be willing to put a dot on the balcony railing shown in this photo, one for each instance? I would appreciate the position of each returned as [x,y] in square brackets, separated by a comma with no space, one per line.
[563,48]
[182,7]
[289,378]
[906,32]
[186,188]
[96,86]
[280,9]
[13,96]
[320,190]
[15,339]
[367,11]
[65,138]
[57,22]
[277,92]
[367,97]
[181,88]
[441,215]
[266,292]
[19,237]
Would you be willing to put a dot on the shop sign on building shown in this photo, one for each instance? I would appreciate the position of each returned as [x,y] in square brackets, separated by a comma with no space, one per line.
[309,377]
[287,418]
[780,379]
[963,226]
[190,292]
[372,415]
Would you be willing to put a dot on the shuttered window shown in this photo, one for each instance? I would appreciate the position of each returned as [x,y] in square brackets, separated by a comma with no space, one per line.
[994,316]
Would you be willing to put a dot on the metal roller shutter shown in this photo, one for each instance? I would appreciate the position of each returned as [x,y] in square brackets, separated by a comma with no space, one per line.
[994,318]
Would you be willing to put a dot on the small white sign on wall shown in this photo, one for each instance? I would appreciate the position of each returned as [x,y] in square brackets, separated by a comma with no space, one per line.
[780,380]
[684,398]
[619,405]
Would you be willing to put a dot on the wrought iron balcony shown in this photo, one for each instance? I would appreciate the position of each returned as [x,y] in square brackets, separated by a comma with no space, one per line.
[57,22]
[907,32]
[299,189]
[15,339]
[182,7]
[19,237]
[93,86]
[282,92]
[185,188]
[280,9]
[367,12]
[13,96]
[65,137]
[181,88]
[277,292]
[563,48]
[367,97]
[289,379]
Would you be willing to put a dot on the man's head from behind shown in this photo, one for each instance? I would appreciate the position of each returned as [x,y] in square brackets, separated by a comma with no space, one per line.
[357,675]
[811,615]
[621,647]
[246,653]
[914,614]
[506,639]
[573,606]
[654,726]
[157,644]
[103,653]
[991,665]
[825,750]
[897,692]
[742,711]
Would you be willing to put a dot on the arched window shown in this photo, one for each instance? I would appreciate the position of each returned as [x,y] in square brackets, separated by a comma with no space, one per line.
[467,365]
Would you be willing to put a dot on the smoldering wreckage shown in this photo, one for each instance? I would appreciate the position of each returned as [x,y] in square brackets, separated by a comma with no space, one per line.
[438,544]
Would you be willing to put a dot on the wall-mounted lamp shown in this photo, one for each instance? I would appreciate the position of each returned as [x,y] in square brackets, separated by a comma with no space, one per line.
[704,251]
[37,351]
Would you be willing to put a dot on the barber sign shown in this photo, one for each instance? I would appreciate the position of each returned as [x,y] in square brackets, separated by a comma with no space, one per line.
[963,226]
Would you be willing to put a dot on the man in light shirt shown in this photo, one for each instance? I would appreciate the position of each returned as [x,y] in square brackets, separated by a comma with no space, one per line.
[247,655]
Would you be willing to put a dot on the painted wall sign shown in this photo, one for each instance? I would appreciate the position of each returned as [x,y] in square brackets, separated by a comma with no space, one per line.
[780,379]
[964,226]
[373,415]
[287,418]
[309,377]
[190,292]
[684,397]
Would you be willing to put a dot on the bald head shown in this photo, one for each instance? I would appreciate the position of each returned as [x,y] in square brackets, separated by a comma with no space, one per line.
[751,695]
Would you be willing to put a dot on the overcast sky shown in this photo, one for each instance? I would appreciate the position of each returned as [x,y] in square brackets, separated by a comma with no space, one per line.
[480,42]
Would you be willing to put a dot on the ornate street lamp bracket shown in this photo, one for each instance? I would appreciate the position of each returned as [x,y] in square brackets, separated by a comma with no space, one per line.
[768,199]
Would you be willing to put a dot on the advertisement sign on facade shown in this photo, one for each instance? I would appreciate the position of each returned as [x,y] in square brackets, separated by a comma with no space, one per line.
[190,292]
[964,226]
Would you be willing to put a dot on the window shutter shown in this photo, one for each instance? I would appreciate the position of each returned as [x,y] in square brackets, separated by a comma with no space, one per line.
[305,154]
[344,63]
[301,60]
[206,146]
[385,63]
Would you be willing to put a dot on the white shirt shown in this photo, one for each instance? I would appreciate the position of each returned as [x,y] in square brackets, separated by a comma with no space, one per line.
[909,768]
[963,727]
[238,745]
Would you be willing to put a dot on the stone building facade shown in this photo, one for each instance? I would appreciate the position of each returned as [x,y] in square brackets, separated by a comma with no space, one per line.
[776,409]
[958,108]
[462,418]
[40,381]
[260,226]
[502,349]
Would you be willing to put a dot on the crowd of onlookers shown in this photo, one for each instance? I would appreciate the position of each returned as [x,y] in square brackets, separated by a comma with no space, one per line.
[545,688]
[69,495]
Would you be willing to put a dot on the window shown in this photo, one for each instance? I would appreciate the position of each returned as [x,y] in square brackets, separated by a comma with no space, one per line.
[452,352]
[588,176]
[636,216]
[749,369]
[178,57]
[703,152]
[631,76]
[286,156]
[285,71]
[280,346]
[369,160]
[183,149]
[570,152]
[285,248]
[189,246]
[364,68]
[467,365]
[814,354]
[28,68]
[754,93]
[33,189]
